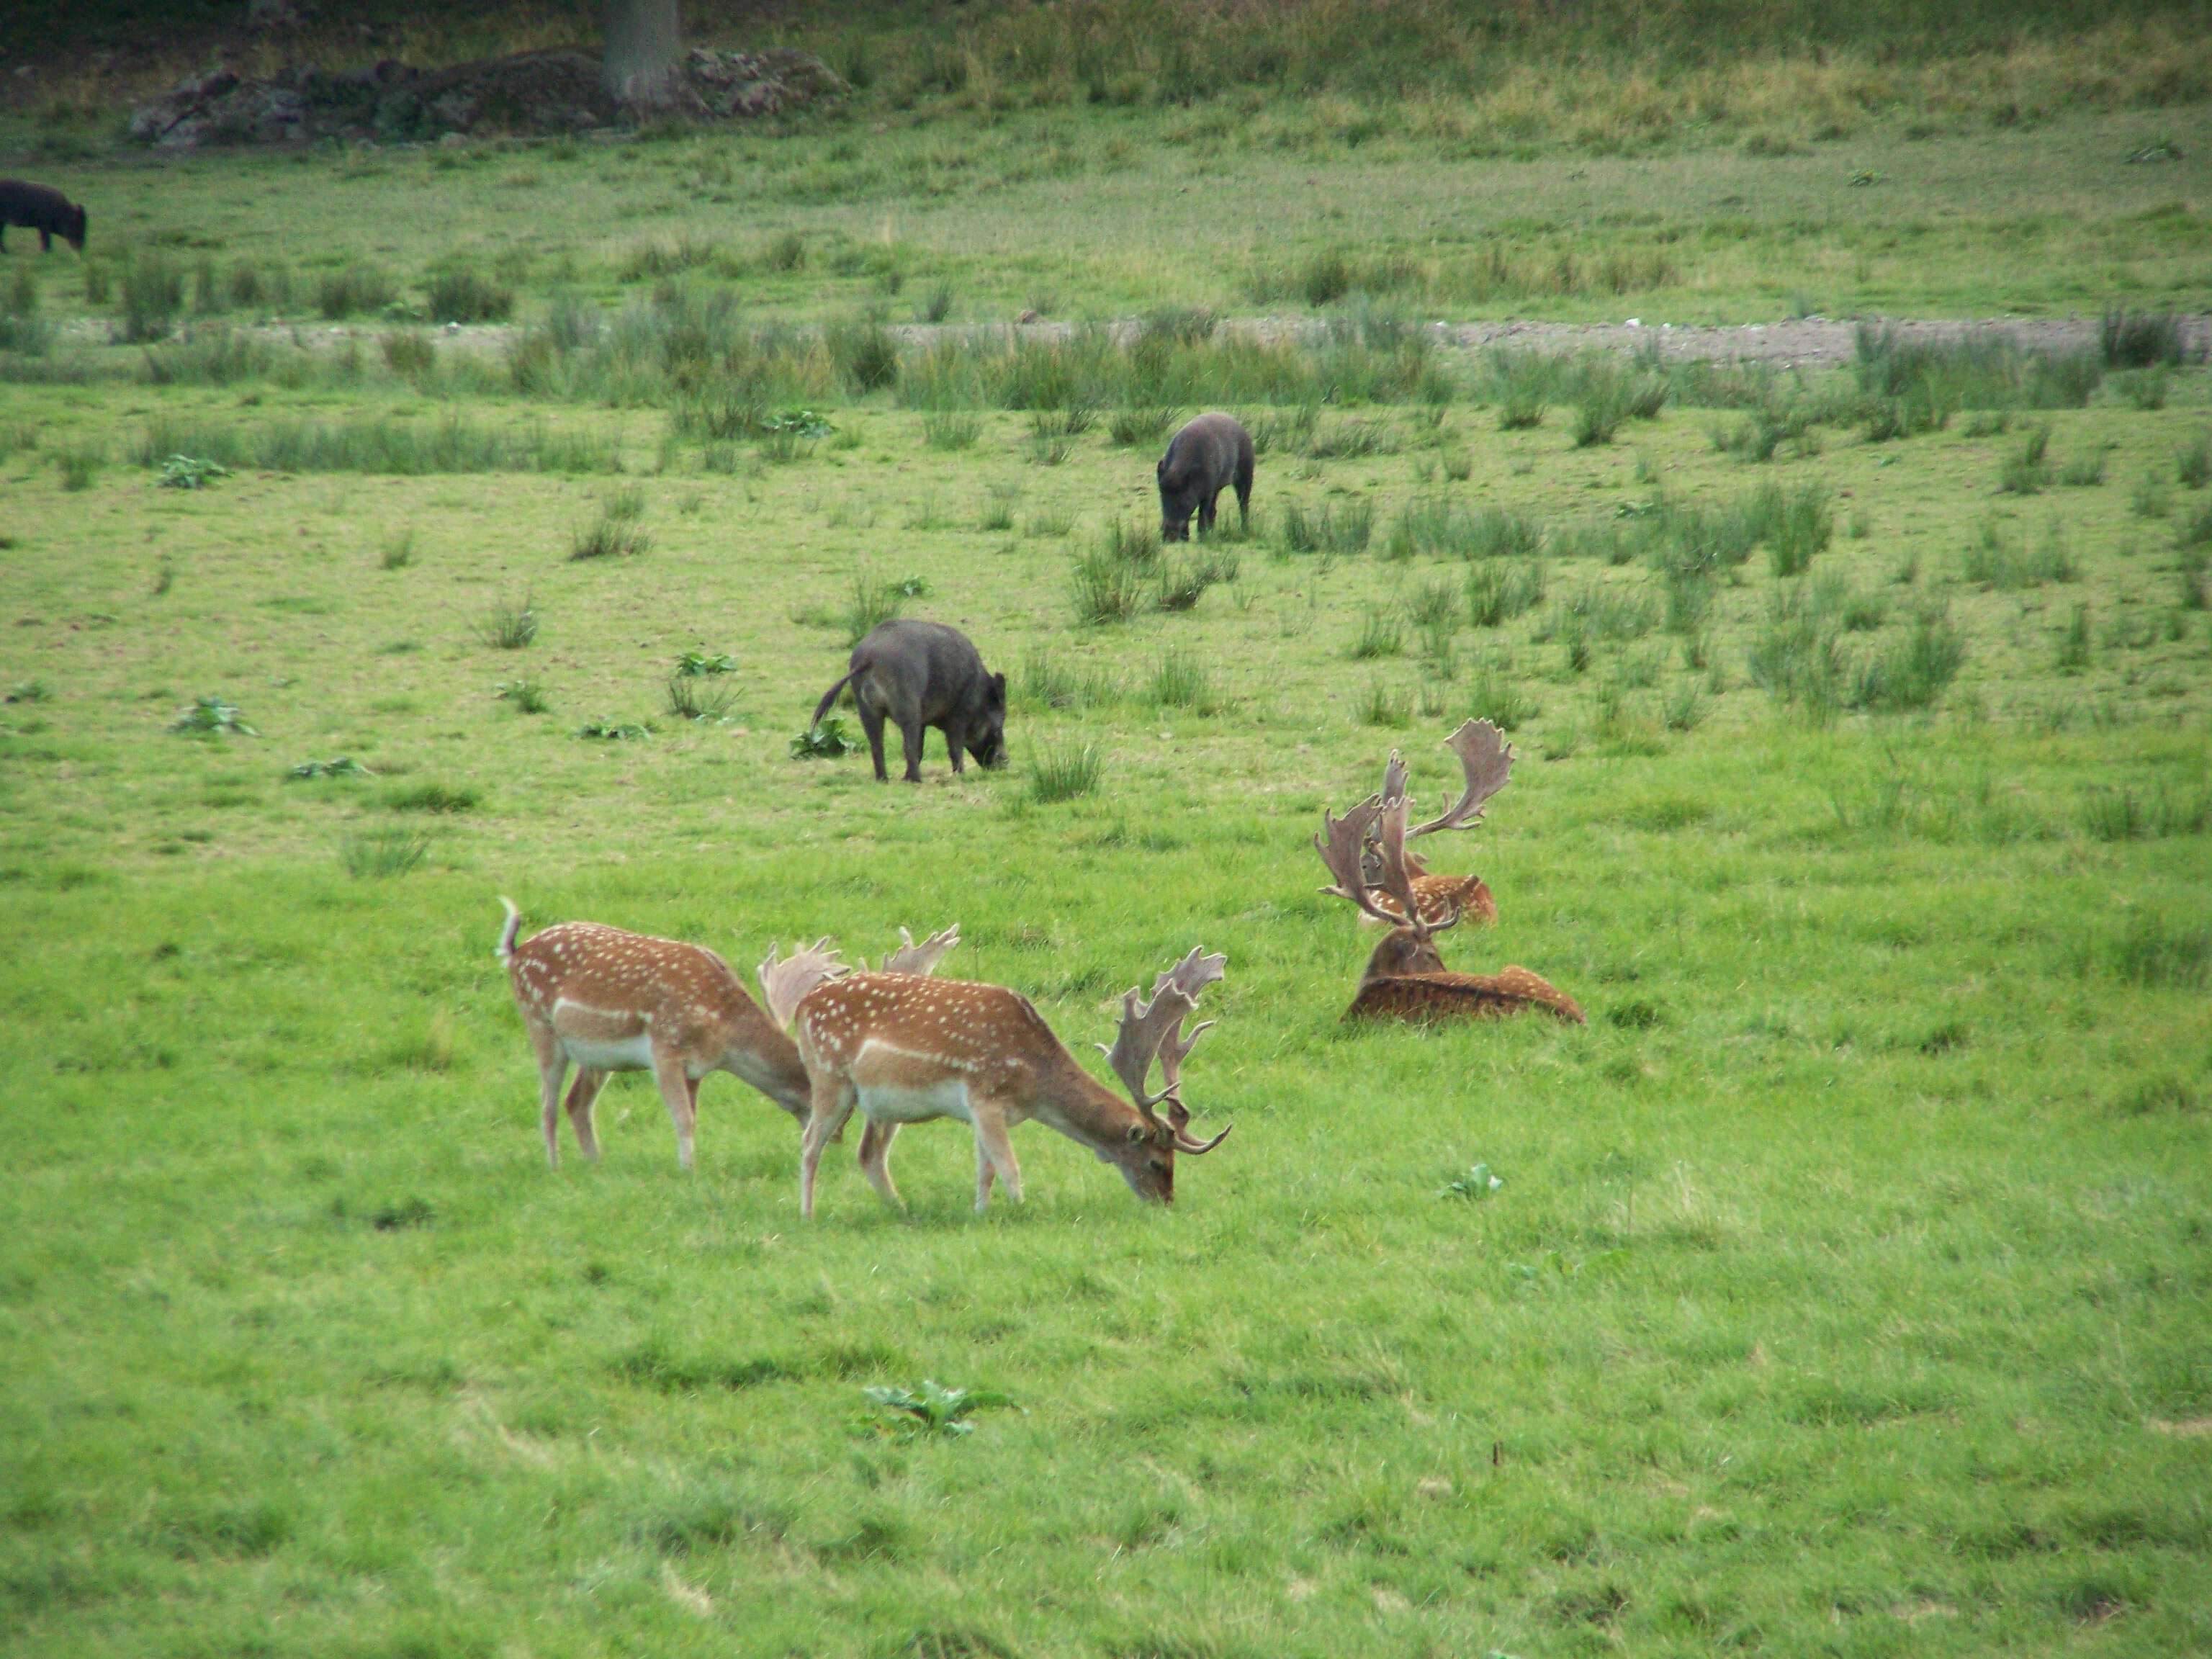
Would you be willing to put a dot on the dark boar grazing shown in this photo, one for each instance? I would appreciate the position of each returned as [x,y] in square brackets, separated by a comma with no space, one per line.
[920,674]
[46,211]
[1207,456]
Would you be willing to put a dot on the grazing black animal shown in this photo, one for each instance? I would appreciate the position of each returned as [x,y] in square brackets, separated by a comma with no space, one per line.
[49,212]
[1205,457]
[922,674]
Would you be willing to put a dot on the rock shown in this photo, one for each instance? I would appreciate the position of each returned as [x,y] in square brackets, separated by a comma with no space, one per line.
[754,84]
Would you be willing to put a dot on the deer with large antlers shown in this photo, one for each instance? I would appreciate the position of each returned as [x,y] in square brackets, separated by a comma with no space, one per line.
[900,1048]
[1405,977]
[1486,759]
[605,1001]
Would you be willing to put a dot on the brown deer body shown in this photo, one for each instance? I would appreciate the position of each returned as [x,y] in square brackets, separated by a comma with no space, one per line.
[900,1048]
[605,1001]
[1406,981]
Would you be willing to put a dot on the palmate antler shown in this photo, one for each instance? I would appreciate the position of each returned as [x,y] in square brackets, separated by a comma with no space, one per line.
[1487,760]
[1152,1031]
[784,983]
[1365,851]
[922,958]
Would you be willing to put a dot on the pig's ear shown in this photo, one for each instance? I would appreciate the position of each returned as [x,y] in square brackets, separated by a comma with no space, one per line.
[999,690]
[1160,471]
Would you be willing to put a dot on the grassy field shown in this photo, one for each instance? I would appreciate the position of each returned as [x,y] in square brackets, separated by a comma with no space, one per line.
[1848,1286]
[1115,212]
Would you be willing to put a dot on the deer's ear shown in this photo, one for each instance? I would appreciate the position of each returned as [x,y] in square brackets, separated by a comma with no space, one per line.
[1140,1134]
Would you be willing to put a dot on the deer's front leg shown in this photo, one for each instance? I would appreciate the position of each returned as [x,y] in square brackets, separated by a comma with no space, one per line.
[832,1104]
[992,1147]
[681,1091]
[982,1177]
[552,1070]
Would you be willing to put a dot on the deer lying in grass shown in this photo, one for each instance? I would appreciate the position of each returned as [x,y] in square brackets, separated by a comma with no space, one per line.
[1487,761]
[1406,978]
[605,1001]
[901,1048]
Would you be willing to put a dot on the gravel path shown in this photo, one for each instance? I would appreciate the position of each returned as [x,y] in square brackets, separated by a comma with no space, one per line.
[1810,340]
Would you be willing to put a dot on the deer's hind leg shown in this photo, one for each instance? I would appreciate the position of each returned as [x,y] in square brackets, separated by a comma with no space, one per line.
[876,1160]
[582,1093]
[552,1072]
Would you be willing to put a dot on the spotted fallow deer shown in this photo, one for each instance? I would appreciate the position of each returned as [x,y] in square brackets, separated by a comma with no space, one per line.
[1405,977]
[903,1049]
[1486,759]
[605,1001]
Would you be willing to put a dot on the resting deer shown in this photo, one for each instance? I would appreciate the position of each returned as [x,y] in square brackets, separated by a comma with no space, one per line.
[1406,978]
[605,1001]
[901,1048]
[1487,760]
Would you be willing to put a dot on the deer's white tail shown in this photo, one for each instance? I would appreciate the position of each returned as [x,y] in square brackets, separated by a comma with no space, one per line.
[514,926]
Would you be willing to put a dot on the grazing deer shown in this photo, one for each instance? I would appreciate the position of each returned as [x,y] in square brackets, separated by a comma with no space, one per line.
[1487,760]
[605,1001]
[1406,978]
[903,1049]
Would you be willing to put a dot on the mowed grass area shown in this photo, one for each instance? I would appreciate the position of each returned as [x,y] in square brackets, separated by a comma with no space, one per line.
[1106,211]
[1848,1284]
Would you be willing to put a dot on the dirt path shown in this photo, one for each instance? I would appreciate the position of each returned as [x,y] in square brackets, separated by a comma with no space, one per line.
[1812,341]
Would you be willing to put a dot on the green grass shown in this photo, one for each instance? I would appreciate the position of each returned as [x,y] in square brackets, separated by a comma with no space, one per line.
[1847,1288]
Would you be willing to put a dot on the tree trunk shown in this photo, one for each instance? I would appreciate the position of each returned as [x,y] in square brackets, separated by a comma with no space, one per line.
[643,42]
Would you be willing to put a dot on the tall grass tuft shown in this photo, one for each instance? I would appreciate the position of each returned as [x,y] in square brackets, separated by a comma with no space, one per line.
[1497,592]
[1797,658]
[1180,680]
[354,289]
[866,355]
[507,626]
[457,293]
[1795,524]
[387,850]
[1343,529]
[153,293]
[1063,771]
[873,602]
[2141,339]
[1912,673]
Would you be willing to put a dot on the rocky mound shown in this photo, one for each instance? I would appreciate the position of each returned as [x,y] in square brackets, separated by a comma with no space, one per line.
[532,93]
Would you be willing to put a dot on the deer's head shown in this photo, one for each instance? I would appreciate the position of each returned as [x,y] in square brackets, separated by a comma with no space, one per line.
[1150,1030]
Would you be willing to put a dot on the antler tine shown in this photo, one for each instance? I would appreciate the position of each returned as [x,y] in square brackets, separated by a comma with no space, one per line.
[1145,1027]
[1394,777]
[1343,844]
[922,958]
[1193,972]
[1487,760]
[786,983]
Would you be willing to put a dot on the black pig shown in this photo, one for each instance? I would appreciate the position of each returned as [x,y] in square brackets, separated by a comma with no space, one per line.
[46,211]
[922,674]
[1205,457]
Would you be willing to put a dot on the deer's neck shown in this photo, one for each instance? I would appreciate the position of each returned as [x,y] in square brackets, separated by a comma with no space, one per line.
[763,1056]
[1072,1101]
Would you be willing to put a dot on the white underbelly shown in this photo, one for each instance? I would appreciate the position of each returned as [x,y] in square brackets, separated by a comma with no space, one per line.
[621,1054]
[892,1104]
